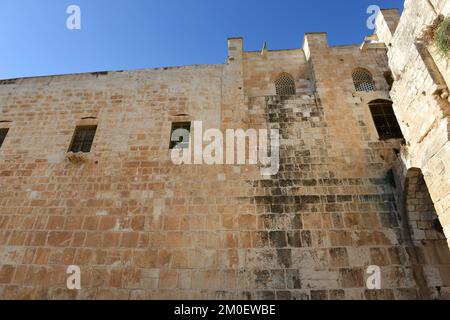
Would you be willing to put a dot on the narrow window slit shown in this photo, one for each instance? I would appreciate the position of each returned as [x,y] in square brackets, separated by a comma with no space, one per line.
[3,133]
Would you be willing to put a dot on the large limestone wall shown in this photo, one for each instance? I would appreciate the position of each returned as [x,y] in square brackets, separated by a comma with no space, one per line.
[141,227]
[420,95]
[137,225]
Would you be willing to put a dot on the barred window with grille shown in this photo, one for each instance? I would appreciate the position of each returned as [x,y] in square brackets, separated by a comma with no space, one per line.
[363,80]
[285,85]
[3,133]
[82,139]
[385,120]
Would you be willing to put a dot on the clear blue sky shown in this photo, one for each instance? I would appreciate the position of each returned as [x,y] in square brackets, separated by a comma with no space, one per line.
[134,34]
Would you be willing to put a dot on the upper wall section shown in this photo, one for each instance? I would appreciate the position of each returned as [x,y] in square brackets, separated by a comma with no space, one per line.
[346,110]
[262,68]
[197,86]
[245,74]
[387,22]
[126,104]
[421,75]
[332,66]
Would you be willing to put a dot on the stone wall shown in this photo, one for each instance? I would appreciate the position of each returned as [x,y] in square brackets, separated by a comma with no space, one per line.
[420,95]
[261,70]
[141,227]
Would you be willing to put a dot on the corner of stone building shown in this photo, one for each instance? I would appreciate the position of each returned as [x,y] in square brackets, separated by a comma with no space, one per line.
[421,112]
[386,24]
[235,49]
[314,42]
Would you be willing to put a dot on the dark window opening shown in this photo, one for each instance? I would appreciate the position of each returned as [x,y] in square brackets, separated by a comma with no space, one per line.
[180,135]
[385,120]
[391,178]
[438,226]
[389,79]
[3,133]
[82,139]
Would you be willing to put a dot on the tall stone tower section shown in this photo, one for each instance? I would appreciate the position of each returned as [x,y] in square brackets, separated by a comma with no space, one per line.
[233,84]
[421,96]
[362,149]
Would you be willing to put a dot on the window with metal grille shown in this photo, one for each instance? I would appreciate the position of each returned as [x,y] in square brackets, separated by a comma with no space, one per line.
[385,120]
[180,135]
[82,139]
[3,133]
[285,85]
[363,80]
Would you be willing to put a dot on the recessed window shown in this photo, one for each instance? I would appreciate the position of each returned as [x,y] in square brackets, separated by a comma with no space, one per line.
[389,79]
[363,80]
[285,85]
[385,120]
[82,139]
[3,133]
[180,135]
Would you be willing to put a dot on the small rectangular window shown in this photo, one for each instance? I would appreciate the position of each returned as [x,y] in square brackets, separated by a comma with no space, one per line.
[3,133]
[82,139]
[180,135]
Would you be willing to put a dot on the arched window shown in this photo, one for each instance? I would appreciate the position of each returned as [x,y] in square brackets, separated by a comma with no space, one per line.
[385,120]
[363,80]
[285,85]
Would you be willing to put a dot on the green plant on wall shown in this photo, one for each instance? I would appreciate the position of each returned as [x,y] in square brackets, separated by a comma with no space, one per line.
[442,38]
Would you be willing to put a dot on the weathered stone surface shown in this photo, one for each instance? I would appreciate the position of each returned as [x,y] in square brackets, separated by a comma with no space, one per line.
[141,227]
